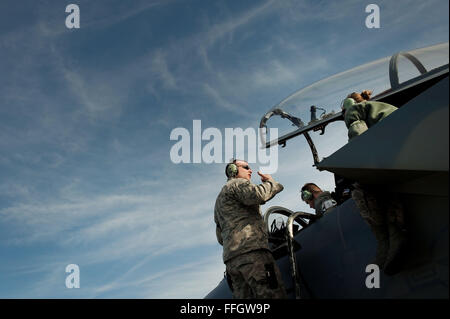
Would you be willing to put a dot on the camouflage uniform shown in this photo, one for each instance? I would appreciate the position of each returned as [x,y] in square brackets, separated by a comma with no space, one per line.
[324,203]
[385,216]
[242,232]
[255,275]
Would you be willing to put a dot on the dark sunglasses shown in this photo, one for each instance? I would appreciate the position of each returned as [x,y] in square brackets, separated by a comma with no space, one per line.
[245,167]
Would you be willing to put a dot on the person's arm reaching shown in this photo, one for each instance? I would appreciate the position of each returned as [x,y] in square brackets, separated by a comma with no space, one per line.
[251,194]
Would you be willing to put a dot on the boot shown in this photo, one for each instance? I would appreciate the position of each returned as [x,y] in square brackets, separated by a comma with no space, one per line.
[397,245]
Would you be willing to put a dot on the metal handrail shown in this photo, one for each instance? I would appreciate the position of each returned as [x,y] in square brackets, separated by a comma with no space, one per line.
[290,240]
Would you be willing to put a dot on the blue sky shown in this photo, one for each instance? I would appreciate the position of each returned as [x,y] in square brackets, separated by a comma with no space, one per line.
[86,114]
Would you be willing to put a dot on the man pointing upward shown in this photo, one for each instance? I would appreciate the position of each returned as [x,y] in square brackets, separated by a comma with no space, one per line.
[240,229]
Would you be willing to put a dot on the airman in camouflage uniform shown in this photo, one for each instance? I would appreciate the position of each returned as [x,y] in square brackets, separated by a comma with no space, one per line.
[382,211]
[241,230]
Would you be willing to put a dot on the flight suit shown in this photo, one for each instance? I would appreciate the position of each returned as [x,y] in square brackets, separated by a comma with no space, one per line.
[361,116]
[241,230]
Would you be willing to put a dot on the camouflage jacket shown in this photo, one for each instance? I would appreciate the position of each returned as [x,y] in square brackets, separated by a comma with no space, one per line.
[323,203]
[359,117]
[240,226]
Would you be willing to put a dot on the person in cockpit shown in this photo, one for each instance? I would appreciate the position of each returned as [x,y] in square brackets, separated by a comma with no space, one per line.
[383,211]
[316,198]
[360,113]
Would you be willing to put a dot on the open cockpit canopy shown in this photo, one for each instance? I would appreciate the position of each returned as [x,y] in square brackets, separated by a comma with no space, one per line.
[319,104]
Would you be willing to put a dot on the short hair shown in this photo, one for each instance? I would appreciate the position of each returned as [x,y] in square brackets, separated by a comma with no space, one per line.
[360,97]
[311,187]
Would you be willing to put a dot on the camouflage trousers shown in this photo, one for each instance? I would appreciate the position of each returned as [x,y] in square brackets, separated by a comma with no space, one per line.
[255,275]
[378,208]
[384,213]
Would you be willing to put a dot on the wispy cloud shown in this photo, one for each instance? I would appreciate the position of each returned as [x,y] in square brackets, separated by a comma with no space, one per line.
[222,102]
[94,15]
[140,223]
[97,97]
[123,225]
[87,177]
[160,66]
[192,280]
[218,31]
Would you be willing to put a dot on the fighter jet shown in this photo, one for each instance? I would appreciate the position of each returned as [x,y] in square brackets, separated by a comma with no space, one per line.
[407,153]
